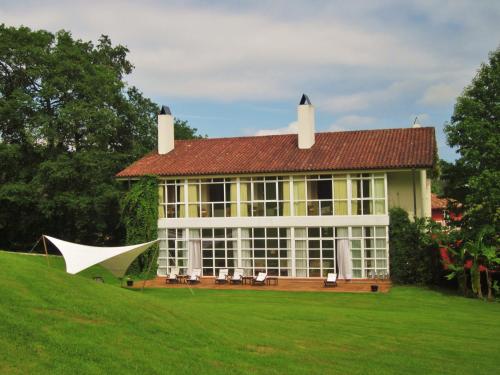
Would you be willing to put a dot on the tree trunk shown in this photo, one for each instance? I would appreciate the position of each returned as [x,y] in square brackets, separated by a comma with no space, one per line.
[462,283]
[475,277]
[477,284]
[488,282]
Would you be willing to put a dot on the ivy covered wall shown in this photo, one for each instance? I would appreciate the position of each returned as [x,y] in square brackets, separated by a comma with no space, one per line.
[140,218]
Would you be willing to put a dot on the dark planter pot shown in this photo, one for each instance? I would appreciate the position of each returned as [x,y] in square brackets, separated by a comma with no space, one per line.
[130,282]
[374,288]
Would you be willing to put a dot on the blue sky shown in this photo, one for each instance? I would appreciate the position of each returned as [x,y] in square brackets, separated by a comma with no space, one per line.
[239,67]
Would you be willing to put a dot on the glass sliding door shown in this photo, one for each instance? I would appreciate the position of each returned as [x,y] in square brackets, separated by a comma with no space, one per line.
[314,251]
[266,250]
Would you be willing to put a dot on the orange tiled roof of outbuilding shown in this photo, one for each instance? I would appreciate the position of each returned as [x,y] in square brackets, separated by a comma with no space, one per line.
[438,203]
[348,150]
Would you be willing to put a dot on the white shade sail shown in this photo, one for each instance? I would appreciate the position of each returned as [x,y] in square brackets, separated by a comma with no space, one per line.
[115,259]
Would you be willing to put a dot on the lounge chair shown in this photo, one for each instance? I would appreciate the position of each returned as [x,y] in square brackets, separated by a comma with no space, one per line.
[260,279]
[331,280]
[172,278]
[237,277]
[195,276]
[222,278]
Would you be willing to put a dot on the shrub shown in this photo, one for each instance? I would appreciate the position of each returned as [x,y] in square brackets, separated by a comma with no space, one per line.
[413,254]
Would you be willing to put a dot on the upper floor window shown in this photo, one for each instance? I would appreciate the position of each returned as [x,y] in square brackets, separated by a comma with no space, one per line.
[368,194]
[308,195]
[320,195]
[171,199]
[215,197]
[265,196]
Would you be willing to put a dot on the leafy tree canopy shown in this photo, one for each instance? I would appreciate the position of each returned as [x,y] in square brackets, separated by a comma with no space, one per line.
[68,123]
[475,132]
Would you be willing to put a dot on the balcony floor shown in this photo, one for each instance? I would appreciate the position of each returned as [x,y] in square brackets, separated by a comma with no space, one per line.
[284,284]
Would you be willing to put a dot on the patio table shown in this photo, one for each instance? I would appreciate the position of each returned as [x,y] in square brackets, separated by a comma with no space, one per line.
[246,280]
[272,279]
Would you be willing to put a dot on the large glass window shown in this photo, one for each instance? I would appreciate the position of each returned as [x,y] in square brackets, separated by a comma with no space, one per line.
[368,194]
[299,195]
[314,251]
[215,197]
[319,195]
[173,251]
[171,199]
[269,250]
[369,251]
[266,250]
[312,195]
[265,196]
[219,250]
[340,197]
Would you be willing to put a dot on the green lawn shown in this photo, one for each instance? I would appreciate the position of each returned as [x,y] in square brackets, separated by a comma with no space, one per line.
[54,323]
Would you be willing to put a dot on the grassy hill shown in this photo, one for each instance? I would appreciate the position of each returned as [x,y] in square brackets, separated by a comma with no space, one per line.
[54,323]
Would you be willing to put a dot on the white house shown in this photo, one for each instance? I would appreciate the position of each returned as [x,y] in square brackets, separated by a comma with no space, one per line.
[284,203]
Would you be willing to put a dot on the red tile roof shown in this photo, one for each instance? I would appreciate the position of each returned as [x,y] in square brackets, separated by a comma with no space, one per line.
[352,150]
[443,203]
[438,203]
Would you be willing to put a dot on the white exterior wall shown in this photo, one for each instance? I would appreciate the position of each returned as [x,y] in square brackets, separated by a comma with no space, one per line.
[239,222]
[400,192]
[273,221]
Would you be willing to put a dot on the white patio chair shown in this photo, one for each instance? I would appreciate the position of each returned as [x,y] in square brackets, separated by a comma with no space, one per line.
[195,276]
[260,279]
[331,280]
[222,278]
[237,276]
[172,278]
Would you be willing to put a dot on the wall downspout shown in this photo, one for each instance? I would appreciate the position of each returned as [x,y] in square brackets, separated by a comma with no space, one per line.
[414,193]
[423,192]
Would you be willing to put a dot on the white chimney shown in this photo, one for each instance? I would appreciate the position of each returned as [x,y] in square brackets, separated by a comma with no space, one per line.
[305,115]
[165,131]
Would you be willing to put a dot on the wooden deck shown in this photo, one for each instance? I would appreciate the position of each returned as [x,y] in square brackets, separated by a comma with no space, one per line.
[284,284]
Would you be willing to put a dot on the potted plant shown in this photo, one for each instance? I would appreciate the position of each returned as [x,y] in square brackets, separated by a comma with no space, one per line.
[130,282]
[374,287]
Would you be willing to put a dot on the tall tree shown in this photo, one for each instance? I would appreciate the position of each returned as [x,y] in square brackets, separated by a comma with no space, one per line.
[68,124]
[475,132]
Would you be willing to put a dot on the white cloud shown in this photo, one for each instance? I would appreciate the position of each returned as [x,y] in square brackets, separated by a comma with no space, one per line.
[276,50]
[196,50]
[351,122]
[441,93]
[367,99]
[292,128]
[383,58]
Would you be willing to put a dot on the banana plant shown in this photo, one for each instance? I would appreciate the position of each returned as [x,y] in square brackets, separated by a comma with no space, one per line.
[457,267]
[482,254]
[491,256]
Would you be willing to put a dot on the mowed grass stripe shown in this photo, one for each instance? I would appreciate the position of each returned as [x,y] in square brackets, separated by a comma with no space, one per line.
[57,323]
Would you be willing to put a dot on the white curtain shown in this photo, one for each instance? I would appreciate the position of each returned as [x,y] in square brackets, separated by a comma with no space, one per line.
[344,259]
[194,255]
